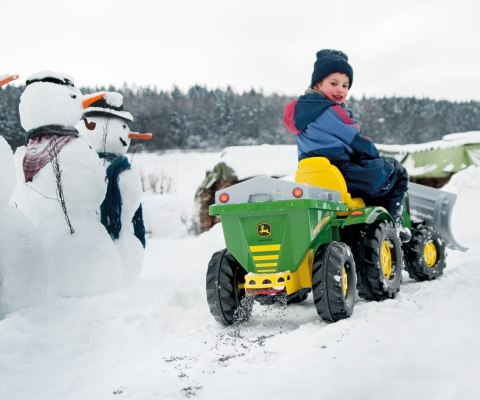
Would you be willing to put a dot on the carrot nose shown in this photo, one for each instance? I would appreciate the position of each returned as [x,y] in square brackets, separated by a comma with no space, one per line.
[88,99]
[140,136]
[4,79]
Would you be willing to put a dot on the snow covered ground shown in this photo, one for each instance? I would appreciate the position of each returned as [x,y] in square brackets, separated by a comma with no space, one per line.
[157,339]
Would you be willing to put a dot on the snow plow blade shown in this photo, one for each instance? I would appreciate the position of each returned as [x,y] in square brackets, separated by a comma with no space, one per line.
[434,207]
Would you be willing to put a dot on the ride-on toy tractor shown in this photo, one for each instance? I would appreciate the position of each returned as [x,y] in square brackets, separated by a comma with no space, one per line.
[286,239]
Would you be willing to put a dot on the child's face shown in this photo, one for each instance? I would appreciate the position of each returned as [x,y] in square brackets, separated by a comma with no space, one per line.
[334,87]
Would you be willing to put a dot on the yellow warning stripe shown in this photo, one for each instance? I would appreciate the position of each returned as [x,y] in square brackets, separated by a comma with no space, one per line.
[266,270]
[263,265]
[267,247]
[265,258]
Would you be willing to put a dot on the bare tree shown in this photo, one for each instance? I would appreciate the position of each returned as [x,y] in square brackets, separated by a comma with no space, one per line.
[104,138]
[53,152]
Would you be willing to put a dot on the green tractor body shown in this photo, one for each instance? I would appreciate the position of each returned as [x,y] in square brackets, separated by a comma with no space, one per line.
[272,238]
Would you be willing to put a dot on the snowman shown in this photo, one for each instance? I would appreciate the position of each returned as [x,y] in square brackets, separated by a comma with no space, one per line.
[7,175]
[105,127]
[23,269]
[62,186]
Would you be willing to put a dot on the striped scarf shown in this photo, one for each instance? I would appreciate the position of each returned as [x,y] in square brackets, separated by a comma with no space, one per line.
[41,144]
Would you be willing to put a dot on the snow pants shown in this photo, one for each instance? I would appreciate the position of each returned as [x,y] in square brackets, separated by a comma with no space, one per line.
[381,181]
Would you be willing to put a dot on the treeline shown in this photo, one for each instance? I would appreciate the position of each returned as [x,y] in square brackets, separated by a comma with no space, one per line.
[202,118]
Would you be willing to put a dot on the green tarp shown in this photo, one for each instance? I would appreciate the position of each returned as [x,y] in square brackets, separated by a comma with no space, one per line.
[436,162]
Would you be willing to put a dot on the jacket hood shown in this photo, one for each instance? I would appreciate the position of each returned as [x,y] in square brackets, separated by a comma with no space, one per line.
[299,113]
[310,106]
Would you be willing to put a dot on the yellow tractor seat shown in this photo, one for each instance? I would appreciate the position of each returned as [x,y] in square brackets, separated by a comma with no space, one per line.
[318,171]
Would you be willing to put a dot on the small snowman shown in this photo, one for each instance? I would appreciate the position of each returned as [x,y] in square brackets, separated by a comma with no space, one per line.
[105,127]
[7,175]
[23,269]
[62,186]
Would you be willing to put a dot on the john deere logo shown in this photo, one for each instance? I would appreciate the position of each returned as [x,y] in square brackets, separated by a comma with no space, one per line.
[264,230]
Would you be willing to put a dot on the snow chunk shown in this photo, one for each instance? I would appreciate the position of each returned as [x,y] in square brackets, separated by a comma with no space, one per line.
[114,99]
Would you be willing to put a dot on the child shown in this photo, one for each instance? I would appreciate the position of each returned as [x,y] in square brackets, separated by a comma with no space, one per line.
[325,128]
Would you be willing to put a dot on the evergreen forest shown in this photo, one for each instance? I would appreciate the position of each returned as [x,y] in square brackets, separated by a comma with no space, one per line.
[211,119]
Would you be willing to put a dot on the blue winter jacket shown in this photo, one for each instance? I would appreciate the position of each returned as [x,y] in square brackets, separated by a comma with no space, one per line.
[326,129]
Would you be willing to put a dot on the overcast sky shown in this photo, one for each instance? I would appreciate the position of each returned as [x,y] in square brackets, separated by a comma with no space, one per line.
[421,48]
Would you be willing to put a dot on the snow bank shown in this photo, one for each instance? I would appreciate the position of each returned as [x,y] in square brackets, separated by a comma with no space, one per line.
[270,160]
[466,185]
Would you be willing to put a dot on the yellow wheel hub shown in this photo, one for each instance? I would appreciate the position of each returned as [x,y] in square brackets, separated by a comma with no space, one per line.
[344,282]
[386,259]
[430,254]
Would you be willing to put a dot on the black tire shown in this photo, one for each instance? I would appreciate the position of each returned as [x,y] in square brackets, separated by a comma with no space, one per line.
[228,303]
[334,281]
[425,255]
[379,263]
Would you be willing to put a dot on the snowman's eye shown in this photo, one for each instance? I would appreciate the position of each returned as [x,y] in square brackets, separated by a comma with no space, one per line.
[73,96]
[124,126]
[89,125]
